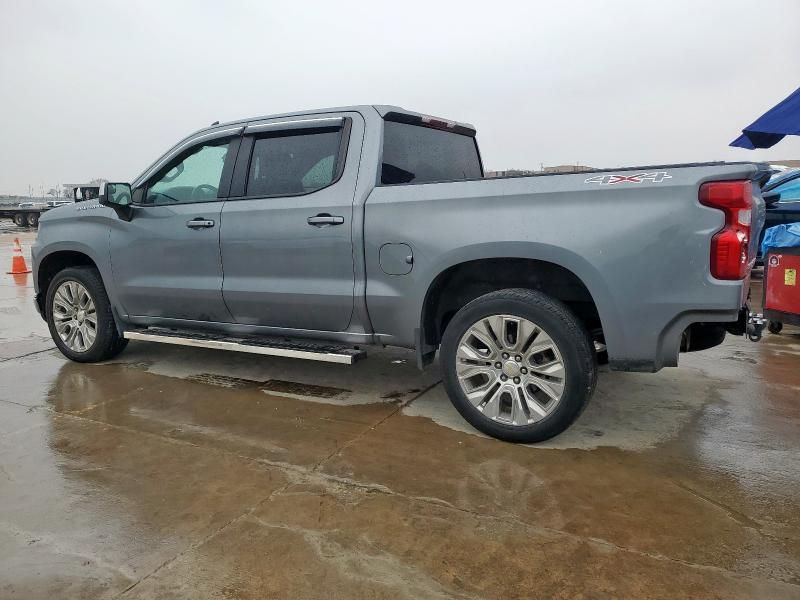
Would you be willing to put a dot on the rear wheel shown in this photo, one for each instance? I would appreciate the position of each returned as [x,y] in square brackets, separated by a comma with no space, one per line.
[20,220]
[33,219]
[775,327]
[518,365]
[79,316]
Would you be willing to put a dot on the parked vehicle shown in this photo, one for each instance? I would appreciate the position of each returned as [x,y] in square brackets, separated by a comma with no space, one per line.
[341,228]
[782,198]
[25,214]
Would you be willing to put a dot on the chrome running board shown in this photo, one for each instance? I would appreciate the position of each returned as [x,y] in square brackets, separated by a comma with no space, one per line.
[302,349]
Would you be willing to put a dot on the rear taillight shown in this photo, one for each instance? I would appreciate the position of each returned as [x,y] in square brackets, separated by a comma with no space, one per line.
[730,246]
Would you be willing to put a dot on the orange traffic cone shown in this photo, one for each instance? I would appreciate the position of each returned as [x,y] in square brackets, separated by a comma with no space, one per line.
[18,265]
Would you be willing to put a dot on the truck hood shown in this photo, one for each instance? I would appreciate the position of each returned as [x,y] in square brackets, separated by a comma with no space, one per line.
[75,211]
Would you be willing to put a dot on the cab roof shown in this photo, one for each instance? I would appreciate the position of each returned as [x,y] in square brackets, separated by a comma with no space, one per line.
[383,110]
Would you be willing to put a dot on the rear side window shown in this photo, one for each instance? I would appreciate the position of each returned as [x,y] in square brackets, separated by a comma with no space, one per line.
[294,163]
[416,154]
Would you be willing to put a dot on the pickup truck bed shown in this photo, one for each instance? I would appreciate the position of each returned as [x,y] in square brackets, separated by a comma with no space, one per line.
[665,283]
[374,225]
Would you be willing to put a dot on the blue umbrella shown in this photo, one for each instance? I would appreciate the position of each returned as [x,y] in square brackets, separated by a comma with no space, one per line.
[769,128]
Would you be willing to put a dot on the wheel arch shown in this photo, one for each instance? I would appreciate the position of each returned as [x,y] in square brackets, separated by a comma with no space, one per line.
[51,264]
[554,271]
[60,258]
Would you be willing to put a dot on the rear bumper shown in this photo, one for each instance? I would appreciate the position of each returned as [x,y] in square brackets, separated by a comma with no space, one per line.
[702,336]
[688,332]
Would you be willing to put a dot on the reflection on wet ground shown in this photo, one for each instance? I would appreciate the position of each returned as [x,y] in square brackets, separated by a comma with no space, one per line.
[188,473]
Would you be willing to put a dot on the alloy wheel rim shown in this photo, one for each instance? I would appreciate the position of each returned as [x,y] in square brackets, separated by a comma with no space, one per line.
[510,369]
[75,316]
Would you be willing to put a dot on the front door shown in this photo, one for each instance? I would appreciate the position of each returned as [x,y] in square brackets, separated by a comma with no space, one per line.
[165,261]
[286,237]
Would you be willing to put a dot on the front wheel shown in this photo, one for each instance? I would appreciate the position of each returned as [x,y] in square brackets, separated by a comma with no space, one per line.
[518,365]
[79,316]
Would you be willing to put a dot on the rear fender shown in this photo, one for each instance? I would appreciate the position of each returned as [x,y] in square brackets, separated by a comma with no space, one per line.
[611,320]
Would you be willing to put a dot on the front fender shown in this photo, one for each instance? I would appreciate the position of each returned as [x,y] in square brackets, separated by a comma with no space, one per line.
[84,230]
[39,254]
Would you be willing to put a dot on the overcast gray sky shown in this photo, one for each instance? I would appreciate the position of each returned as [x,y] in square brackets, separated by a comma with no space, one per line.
[100,89]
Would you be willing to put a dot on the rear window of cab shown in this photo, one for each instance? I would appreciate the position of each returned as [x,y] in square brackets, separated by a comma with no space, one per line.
[419,154]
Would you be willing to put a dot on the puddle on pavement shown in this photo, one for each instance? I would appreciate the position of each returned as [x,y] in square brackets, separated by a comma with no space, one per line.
[703,470]
[741,357]
[629,411]
[275,387]
[386,377]
[223,380]
[292,388]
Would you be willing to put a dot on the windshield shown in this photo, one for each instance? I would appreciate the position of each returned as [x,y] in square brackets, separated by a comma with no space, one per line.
[787,184]
[780,177]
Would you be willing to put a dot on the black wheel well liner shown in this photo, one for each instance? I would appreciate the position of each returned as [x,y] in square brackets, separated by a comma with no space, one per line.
[55,262]
[460,284]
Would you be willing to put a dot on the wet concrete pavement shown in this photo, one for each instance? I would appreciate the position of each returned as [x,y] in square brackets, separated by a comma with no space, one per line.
[190,473]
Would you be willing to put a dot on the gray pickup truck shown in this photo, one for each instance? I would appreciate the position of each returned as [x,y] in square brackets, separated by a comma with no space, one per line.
[314,234]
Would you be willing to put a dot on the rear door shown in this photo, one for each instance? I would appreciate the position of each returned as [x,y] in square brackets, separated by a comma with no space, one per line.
[166,262]
[286,237]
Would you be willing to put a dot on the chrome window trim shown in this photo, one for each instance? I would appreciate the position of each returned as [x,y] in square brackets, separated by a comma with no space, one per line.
[229,132]
[296,124]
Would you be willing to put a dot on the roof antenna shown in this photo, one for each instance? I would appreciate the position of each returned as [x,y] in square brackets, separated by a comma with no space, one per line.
[215,123]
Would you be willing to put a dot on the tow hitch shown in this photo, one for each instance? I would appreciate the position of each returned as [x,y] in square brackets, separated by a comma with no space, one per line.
[755,325]
[749,324]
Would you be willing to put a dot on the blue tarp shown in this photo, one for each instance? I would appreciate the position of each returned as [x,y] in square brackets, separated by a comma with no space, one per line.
[773,125]
[781,236]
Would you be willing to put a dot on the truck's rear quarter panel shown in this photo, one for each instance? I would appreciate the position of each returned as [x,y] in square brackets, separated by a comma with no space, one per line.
[641,249]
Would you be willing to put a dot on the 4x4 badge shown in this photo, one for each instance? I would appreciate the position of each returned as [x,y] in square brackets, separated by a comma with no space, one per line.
[655,177]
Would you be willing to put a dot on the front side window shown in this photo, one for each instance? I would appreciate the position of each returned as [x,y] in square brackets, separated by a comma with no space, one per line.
[193,178]
[416,154]
[293,163]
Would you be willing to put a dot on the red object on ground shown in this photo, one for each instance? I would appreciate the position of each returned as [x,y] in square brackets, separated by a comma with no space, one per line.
[18,265]
[782,285]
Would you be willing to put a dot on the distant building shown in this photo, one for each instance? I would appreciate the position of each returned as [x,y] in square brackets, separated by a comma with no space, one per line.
[555,169]
[794,164]
[509,173]
[567,169]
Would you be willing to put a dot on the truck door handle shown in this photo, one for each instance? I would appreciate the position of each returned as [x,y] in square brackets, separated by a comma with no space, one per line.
[324,219]
[199,223]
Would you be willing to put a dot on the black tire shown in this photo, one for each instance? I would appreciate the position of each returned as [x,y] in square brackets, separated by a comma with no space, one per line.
[20,220]
[33,219]
[107,343]
[775,327]
[566,331]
